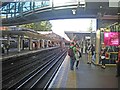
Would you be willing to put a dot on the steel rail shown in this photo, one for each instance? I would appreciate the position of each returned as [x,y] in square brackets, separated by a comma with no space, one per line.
[46,72]
[16,71]
[18,74]
[20,81]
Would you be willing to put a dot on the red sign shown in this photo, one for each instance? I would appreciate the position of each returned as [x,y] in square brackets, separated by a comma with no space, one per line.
[111,38]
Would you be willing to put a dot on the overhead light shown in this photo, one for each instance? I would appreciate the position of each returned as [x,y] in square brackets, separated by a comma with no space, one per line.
[118,13]
[101,6]
[73,11]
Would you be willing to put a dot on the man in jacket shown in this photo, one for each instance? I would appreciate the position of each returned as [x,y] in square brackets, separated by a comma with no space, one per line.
[72,58]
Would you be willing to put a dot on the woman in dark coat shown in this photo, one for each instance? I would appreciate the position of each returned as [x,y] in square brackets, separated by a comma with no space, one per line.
[103,51]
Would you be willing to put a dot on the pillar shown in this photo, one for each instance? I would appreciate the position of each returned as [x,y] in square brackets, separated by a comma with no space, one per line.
[22,42]
[18,46]
[30,43]
[97,48]
[7,46]
[38,44]
[43,41]
[84,46]
[47,43]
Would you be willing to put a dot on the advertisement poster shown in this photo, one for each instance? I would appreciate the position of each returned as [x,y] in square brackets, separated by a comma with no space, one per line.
[111,38]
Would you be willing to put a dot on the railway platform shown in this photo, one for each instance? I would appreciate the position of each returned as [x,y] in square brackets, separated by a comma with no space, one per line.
[86,76]
[15,53]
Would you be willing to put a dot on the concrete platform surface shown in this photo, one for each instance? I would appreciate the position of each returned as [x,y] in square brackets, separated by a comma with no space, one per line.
[86,76]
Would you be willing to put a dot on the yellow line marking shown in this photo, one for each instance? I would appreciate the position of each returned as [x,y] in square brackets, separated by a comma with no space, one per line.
[65,64]
[72,81]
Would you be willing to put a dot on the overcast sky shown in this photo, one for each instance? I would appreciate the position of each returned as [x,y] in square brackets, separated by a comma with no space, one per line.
[59,26]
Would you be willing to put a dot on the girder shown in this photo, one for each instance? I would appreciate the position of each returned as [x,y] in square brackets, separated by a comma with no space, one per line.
[16,13]
[13,9]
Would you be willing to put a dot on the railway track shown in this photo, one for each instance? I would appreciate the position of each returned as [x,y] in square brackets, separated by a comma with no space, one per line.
[25,66]
[24,69]
[30,74]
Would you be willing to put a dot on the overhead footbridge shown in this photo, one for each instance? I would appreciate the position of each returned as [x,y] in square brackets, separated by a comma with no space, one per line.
[16,13]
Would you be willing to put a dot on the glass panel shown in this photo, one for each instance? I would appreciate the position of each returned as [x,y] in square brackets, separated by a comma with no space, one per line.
[64,2]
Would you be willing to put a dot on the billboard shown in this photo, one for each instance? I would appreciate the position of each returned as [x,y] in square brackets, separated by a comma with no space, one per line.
[112,38]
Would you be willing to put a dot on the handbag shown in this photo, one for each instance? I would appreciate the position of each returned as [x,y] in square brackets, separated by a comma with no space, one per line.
[102,57]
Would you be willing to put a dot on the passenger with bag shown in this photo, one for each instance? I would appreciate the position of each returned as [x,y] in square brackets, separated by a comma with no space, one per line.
[71,53]
[78,55]
[103,51]
[93,51]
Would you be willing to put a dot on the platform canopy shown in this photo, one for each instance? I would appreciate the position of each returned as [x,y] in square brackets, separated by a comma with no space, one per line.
[72,35]
[23,33]
[28,33]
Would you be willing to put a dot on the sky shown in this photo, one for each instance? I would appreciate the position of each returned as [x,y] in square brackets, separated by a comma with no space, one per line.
[77,25]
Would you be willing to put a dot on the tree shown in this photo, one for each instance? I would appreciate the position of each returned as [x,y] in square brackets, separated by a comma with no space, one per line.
[39,26]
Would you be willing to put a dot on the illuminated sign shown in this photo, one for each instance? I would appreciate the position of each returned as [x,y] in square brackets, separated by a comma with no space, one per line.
[111,38]
[68,2]
[3,28]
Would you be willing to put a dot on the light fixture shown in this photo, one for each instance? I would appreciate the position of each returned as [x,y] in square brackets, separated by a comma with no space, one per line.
[73,11]
[101,6]
[118,13]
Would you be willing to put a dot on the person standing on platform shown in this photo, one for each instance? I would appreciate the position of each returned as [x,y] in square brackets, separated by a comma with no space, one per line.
[89,54]
[118,63]
[103,51]
[7,46]
[71,53]
[3,49]
[78,56]
[93,51]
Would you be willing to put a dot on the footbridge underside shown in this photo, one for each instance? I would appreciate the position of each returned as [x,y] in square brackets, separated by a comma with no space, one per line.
[20,15]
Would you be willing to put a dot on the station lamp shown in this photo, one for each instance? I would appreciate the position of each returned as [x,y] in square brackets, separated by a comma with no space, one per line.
[73,11]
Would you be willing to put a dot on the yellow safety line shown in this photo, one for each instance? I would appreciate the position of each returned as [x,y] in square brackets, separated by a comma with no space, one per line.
[110,64]
[63,72]
[72,80]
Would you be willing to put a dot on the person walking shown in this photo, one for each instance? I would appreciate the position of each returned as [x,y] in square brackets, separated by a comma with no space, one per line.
[71,53]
